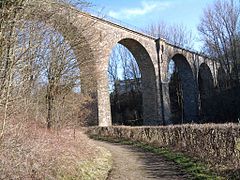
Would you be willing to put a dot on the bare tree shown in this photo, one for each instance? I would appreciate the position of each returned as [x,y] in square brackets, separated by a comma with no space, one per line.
[177,34]
[113,68]
[8,19]
[41,61]
[129,64]
[123,66]
[125,80]
[59,69]
[220,31]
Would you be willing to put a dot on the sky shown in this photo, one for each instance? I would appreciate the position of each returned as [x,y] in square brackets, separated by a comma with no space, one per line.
[141,13]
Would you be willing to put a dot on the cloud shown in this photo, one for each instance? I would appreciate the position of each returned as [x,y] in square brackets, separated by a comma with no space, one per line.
[145,8]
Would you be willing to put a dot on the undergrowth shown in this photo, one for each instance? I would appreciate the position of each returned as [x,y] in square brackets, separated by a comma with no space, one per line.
[30,151]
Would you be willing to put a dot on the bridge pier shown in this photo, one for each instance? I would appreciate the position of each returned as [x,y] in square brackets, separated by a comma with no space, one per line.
[104,108]
[166,103]
[103,98]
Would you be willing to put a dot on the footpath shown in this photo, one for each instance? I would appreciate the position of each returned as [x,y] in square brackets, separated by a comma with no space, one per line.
[131,163]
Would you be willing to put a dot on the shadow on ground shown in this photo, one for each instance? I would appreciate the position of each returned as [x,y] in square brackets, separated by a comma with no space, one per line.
[134,163]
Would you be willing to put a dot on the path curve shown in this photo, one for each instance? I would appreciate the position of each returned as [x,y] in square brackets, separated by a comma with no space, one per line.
[132,163]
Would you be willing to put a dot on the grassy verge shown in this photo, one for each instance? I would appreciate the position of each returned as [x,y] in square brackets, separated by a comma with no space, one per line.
[196,169]
[30,151]
[97,168]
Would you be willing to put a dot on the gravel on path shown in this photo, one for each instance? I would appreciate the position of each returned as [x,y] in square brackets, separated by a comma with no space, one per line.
[132,163]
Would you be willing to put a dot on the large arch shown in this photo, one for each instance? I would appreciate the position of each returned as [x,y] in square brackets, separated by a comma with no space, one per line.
[77,30]
[205,81]
[206,88]
[187,88]
[148,79]
[79,33]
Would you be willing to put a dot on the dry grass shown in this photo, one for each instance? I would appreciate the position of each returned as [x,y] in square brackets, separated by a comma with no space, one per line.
[29,151]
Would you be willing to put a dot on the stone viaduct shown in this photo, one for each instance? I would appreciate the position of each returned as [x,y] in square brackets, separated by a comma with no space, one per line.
[198,74]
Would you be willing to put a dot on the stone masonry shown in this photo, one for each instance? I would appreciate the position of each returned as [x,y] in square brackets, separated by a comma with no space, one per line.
[100,38]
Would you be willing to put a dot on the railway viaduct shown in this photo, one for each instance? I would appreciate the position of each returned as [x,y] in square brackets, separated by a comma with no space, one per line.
[98,36]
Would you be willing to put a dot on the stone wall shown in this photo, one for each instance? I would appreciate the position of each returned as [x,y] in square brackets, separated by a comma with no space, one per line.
[218,145]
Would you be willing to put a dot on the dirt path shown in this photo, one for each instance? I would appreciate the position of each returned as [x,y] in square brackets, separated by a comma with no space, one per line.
[131,163]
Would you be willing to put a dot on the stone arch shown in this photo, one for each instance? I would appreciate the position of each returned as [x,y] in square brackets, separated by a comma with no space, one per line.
[74,28]
[205,80]
[186,86]
[148,79]
[206,89]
